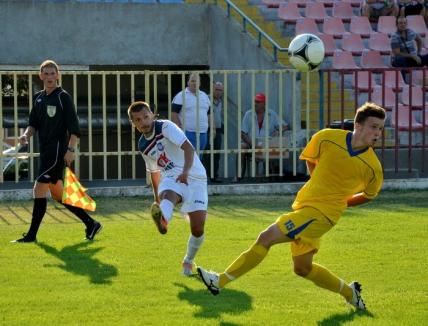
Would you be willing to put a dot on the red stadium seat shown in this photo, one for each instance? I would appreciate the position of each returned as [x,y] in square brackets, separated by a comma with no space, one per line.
[316,10]
[353,43]
[364,81]
[289,13]
[329,43]
[387,25]
[417,77]
[301,3]
[393,79]
[403,119]
[334,26]
[343,60]
[328,3]
[380,42]
[273,3]
[306,25]
[372,60]
[385,97]
[361,25]
[343,10]
[417,24]
[416,98]
[354,3]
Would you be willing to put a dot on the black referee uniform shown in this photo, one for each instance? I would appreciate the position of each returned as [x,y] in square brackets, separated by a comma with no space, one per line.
[54,118]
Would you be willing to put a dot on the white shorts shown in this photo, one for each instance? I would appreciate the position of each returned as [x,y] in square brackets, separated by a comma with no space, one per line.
[194,195]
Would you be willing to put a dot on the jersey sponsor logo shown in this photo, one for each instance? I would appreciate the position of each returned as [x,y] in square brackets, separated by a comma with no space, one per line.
[39,100]
[160,146]
[51,109]
[199,202]
[289,225]
[164,162]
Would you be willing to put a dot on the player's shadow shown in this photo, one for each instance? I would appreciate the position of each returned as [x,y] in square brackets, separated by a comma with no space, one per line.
[340,319]
[228,302]
[79,259]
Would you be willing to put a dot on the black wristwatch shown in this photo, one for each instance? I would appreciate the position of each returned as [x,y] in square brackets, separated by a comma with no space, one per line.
[71,149]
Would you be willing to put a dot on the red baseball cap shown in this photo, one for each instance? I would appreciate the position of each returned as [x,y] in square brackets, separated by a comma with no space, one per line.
[260,97]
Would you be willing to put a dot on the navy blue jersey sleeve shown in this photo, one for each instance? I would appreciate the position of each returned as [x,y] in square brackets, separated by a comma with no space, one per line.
[71,120]
[33,121]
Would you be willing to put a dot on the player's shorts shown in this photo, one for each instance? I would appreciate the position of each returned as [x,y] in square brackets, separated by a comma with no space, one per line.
[194,195]
[51,167]
[305,227]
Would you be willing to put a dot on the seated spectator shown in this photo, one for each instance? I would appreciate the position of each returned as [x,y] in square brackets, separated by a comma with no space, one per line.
[406,47]
[411,7]
[373,9]
[261,128]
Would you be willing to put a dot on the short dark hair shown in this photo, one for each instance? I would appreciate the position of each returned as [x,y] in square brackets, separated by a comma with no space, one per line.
[138,106]
[369,109]
[49,64]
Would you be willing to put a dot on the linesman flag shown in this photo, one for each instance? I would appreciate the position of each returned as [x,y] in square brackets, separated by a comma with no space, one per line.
[74,193]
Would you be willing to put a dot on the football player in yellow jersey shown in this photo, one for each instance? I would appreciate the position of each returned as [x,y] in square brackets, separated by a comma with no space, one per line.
[345,171]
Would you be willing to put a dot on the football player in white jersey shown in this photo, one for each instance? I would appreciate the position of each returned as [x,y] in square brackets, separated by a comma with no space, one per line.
[177,175]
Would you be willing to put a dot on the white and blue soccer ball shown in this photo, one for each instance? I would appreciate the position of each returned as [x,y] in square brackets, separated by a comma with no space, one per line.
[306,52]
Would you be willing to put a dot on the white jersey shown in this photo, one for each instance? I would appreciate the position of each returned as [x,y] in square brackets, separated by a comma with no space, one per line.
[162,151]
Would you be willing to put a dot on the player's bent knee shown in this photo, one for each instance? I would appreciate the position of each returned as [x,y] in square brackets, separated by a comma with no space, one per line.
[302,270]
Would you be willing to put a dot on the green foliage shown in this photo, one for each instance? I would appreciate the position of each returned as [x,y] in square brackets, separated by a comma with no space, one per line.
[130,275]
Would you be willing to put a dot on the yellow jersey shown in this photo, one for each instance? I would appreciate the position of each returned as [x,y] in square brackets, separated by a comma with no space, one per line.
[340,173]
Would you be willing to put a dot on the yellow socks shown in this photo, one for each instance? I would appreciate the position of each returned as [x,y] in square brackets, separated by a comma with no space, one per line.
[323,278]
[244,263]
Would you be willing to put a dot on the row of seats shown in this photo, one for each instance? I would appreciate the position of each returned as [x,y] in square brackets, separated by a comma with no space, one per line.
[305,3]
[358,25]
[125,1]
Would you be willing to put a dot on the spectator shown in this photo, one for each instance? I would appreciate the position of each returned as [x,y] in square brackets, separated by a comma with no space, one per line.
[373,9]
[406,47]
[261,128]
[186,118]
[217,109]
[411,7]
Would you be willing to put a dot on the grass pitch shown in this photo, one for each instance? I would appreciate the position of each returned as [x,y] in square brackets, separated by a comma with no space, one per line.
[130,275]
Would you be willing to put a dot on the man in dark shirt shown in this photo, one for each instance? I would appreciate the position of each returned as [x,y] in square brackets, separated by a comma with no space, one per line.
[54,118]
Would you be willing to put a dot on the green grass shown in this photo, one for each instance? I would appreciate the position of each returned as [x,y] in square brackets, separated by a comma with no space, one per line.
[131,275]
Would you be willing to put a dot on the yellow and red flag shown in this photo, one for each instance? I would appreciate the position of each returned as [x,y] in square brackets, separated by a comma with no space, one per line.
[74,193]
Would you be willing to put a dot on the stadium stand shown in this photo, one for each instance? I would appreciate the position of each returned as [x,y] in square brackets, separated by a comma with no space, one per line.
[380,42]
[334,26]
[404,123]
[353,43]
[343,60]
[289,13]
[343,10]
[317,11]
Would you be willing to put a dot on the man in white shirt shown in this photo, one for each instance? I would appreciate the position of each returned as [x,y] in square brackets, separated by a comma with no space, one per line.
[190,111]
[177,175]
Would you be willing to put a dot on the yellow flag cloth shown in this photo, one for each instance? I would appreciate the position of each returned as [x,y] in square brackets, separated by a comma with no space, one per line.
[74,193]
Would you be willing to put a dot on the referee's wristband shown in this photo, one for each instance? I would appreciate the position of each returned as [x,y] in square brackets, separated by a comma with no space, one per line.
[71,149]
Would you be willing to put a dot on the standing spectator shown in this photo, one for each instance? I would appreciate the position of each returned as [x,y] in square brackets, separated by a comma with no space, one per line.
[373,9]
[186,117]
[406,47]
[217,109]
[411,7]
[54,118]
[261,128]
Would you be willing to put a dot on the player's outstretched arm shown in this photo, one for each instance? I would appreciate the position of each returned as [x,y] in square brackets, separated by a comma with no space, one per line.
[357,199]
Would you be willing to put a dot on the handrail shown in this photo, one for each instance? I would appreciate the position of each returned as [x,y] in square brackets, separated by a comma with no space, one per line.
[261,34]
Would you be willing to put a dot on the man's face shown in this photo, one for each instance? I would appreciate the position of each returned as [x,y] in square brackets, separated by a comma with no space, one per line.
[143,121]
[370,130]
[49,76]
[259,106]
[401,24]
[193,83]
[218,92]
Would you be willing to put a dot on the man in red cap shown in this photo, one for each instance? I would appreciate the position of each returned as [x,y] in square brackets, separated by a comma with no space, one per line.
[260,128]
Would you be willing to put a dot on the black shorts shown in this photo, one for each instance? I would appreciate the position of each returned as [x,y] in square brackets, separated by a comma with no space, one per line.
[51,167]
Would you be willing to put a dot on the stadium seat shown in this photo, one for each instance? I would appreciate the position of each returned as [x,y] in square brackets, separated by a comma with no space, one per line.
[329,43]
[363,81]
[385,97]
[393,79]
[360,25]
[416,98]
[372,60]
[417,24]
[354,3]
[353,43]
[306,25]
[272,3]
[301,3]
[418,77]
[328,3]
[343,60]
[386,25]
[289,13]
[343,10]
[316,10]
[380,42]
[334,26]
[400,118]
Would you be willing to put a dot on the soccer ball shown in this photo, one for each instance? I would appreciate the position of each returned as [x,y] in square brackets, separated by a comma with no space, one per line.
[306,52]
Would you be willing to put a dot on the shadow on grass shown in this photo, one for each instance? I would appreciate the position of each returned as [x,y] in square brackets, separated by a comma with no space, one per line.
[79,260]
[228,302]
[340,319]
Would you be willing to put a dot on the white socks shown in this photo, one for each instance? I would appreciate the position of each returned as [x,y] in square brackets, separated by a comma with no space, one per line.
[167,208]
[192,247]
